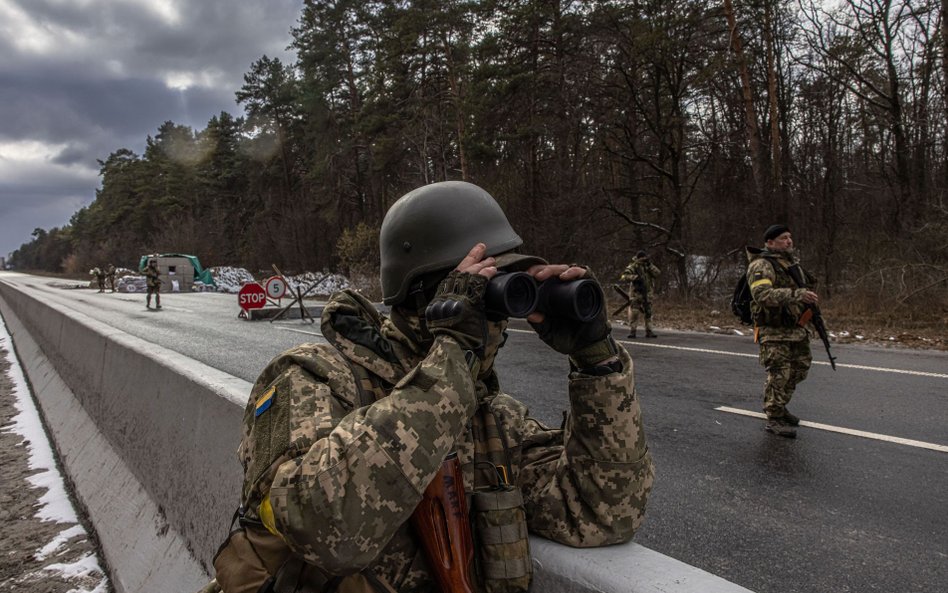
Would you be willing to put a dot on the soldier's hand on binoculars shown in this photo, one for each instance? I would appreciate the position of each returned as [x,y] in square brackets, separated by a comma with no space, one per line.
[457,309]
[544,272]
[564,334]
[475,262]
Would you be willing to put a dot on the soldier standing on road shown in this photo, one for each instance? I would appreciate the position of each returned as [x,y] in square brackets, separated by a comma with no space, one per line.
[153,282]
[99,277]
[341,439]
[641,275]
[110,276]
[777,306]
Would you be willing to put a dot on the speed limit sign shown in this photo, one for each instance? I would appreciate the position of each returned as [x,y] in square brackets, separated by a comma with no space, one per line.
[275,287]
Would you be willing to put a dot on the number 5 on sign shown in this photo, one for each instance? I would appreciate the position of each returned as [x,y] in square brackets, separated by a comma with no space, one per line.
[276,287]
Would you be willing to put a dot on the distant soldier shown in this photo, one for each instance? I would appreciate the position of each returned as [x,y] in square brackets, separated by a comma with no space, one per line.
[99,277]
[641,275]
[110,276]
[777,306]
[153,281]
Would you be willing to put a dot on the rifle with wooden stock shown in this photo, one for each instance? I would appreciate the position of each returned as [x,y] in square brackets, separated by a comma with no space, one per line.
[442,524]
[811,314]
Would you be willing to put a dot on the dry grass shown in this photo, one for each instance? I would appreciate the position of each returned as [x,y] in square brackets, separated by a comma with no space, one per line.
[849,319]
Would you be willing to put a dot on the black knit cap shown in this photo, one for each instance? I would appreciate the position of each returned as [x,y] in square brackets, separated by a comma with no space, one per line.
[774,231]
[641,254]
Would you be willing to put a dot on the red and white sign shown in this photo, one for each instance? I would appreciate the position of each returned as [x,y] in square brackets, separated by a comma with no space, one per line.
[276,287]
[251,296]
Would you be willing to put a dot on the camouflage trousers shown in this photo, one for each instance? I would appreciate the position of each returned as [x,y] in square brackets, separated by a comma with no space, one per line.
[153,290]
[787,364]
[640,305]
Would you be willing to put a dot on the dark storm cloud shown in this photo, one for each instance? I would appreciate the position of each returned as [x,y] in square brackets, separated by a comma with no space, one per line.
[80,79]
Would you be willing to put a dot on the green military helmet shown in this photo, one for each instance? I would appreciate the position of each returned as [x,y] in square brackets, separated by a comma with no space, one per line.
[433,227]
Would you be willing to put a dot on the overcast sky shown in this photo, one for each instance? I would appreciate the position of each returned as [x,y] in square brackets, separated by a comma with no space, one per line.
[80,79]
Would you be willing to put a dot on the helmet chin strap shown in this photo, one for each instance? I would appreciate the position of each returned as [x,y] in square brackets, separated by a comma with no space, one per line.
[409,315]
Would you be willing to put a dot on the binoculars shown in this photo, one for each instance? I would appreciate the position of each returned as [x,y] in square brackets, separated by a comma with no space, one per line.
[518,294]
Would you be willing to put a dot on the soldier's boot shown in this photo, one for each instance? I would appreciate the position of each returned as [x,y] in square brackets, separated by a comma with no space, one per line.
[790,418]
[148,302]
[157,302]
[648,331]
[631,333]
[780,427]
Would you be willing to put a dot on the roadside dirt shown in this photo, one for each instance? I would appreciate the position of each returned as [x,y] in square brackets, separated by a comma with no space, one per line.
[896,329]
[36,555]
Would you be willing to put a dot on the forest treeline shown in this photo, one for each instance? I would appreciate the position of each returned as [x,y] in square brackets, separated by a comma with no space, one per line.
[682,127]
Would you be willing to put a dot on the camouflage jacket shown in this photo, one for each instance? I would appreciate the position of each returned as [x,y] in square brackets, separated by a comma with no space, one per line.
[340,441]
[777,303]
[641,273]
[152,277]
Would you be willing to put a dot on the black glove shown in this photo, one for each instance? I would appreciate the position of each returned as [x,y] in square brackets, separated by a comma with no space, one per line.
[583,341]
[457,310]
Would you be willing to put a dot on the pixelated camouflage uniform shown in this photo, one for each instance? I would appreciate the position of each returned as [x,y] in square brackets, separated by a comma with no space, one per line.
[784,344]
[641,275]
[153,284]
[110,276]
[354,431]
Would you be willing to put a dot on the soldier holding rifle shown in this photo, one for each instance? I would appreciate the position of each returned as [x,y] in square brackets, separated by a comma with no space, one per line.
[342,441]
[640,274]
[782,306]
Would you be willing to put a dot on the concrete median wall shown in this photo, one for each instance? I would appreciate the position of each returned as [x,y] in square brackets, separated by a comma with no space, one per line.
[149,437]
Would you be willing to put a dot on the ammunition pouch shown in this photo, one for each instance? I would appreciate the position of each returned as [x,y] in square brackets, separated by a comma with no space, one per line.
[774,316]
[239,567]
[252,560]
[503,557]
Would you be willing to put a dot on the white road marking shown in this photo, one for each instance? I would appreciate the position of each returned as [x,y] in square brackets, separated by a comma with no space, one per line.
[299,331]
[726,353]
[849,431]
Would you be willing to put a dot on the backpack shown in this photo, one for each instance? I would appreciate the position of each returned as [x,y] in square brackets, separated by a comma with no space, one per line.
[741,301]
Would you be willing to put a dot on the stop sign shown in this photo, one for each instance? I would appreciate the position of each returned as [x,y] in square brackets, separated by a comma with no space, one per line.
[251,296]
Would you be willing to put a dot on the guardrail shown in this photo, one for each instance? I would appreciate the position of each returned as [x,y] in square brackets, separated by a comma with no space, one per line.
[149,438]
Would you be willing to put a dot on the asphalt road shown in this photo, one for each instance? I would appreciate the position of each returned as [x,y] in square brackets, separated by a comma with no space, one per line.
[827,512]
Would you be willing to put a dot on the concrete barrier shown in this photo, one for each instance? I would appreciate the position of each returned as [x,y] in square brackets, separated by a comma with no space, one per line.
[149,437]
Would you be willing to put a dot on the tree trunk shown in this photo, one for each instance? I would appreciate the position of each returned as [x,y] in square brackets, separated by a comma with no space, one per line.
[750,113]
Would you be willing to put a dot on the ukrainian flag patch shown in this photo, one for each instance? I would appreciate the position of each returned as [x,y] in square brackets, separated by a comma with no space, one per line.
[264,402]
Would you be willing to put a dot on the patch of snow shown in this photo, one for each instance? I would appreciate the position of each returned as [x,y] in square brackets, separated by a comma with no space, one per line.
[858,337]
[85,567]
[229,279]
[714,327]
[54,505]
[326,283]
[891,338]
[58,541]
[738,332]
